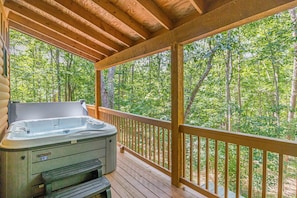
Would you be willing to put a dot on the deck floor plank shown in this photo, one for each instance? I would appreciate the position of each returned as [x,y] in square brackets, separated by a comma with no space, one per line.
[135,178]
[146,179]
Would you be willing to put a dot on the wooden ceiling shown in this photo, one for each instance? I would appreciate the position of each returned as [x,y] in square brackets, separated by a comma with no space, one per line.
[110,32]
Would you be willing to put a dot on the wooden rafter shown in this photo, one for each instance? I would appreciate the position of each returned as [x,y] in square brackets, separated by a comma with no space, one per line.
[37,30]
[124,18]
[157,13]
[21,10]
[199,5]
[108,44]
[79,10]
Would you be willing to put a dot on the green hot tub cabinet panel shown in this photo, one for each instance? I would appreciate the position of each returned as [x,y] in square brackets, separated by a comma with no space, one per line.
[21,169]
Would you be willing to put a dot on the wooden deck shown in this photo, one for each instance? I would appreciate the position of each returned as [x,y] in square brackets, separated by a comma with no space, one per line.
[134,178]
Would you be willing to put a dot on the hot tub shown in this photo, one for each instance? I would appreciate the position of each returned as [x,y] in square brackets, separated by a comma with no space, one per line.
[32,146]
[41,132]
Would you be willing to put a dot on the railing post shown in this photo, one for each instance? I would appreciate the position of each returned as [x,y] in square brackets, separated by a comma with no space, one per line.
[97,92]
[177,111]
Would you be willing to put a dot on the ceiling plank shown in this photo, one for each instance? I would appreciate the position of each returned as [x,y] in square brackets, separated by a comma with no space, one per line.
[75,24]
[82,12]
[44,38]
[48,33]
[124,18]
[55,27]
[157,13]
[199,5]
[232,14]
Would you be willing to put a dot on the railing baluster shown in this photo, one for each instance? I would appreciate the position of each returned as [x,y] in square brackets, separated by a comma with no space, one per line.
[145,141]
[169,148]
[184,155]
[135,135]
[280,175]
[149,144]
[163,147]
[198,159]
[264,174]
[154,144]
[216,168]
[126,132]
[129,133]
[191,158]
[138,140]
[159,146]
[237,171]
[250,188]
[207,163]
[226,169]
[142,138]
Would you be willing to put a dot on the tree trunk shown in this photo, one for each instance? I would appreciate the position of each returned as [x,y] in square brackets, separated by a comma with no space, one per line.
[111,72]
[69,87]
[104,94]
[228,80]
[199,83]
[58,73]
[275,68]
[293,95]
[239,94]
[277,100]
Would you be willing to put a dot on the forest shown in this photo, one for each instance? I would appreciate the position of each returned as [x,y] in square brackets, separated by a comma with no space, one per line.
[242,80]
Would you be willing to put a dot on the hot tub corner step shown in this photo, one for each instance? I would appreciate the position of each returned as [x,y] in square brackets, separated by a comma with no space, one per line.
[74,169]
[86,189]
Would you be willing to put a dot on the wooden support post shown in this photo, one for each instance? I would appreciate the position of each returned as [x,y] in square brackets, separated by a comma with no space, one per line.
[97,92]
[177,111]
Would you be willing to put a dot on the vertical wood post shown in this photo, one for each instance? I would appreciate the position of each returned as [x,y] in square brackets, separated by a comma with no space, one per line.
[177,111]
[97,92]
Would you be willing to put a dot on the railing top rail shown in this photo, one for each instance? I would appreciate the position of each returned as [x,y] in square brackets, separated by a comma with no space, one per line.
[285,147]
[143,119]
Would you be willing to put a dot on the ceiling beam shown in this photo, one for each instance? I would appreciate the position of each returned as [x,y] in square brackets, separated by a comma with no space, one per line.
[124,18]
[21,10]
[24,24]
[50,41]
[232,14]
[199,5]
[157,13]
[104,27]
[82,27]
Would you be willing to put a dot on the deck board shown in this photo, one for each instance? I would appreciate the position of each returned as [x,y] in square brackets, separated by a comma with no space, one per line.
[134,178]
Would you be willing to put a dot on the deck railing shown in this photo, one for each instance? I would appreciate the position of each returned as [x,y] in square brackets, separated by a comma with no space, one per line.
[147,138]
[215,163]
[235,164]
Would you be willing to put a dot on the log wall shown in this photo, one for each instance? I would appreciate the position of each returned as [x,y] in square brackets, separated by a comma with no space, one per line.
[4,71]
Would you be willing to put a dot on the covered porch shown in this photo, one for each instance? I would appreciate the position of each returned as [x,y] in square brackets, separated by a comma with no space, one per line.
[160,156]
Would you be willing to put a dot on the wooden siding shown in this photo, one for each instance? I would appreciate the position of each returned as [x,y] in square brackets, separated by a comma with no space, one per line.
[4,72]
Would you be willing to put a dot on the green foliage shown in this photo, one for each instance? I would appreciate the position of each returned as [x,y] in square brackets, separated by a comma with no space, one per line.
[34,73]
[143,86]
